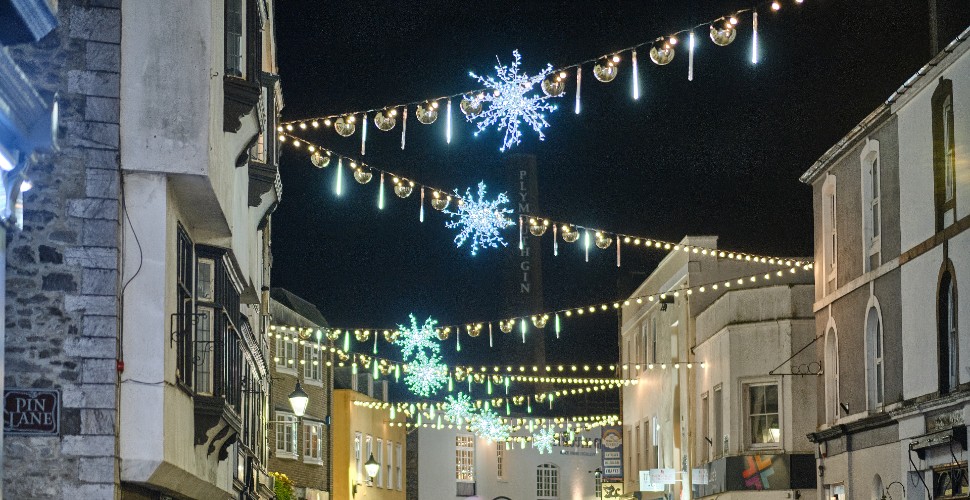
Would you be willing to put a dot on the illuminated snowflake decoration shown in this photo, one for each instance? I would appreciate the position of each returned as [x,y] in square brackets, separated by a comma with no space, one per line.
[543,440]
[415,339]
[489,425]
[459,409]
[511,100]
[426,374]
[480,220]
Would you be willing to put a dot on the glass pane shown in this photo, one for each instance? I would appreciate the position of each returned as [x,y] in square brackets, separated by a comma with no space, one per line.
[875,218]
[771,398]
[757,397]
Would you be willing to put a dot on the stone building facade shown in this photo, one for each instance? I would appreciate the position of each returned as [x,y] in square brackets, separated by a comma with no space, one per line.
[62,269]
[160,395]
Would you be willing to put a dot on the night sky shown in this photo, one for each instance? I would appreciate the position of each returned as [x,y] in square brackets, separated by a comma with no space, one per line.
[720,155]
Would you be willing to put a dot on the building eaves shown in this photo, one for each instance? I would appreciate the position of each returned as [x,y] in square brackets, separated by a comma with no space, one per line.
[298,305]
[884,110]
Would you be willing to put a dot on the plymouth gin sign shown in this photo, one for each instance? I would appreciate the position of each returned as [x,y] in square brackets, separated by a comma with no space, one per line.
[31,411]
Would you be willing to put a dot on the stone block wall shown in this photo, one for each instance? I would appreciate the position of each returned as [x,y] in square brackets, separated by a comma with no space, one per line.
[63,268]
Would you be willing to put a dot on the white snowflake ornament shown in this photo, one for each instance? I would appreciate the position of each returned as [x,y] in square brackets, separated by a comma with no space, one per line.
[459,409]
[480,220]
[489,425]
[511,100]
[543,440]
[416,338]
[426,374]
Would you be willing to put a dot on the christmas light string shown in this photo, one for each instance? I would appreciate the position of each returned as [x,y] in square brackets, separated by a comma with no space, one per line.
[536,224]
[540,320]
[664,41]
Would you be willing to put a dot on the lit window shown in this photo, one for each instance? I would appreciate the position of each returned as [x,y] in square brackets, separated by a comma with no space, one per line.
[764,426]
[547,482]
[286,434]
[951,481]
[285,353]
[311,363]
[465,458]
[312,442]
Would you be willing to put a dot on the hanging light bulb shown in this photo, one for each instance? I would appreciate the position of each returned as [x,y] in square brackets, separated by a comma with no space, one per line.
[662,52]
[603,241]
[362,175]
[320,160]
[569,234]
[403,187]
[538,227]
[471,105]
[345,125]
[439,200]
[606,69]
[386,119]
[554,85]
[723,32]
[427,112]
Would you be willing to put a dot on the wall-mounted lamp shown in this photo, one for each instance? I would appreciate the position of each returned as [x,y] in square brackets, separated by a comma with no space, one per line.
[372,467]
[298,400]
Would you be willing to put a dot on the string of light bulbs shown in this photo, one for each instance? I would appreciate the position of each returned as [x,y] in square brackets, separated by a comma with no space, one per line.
[722,31]
[536,224]
[540,320]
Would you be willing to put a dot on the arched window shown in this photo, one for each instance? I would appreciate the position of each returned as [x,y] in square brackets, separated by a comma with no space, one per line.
[547,482]
[875,368]
[949,347]
[831,374]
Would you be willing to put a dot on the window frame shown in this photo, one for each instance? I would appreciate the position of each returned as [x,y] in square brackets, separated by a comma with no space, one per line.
[830,358]
[465,458]
[240,39]
[944,155]
[748,415]
[717,407]
[379,446]
[312,373]
[954,470]
[875,357]
[948,334]
[871,168]
[500,461]
[388,464]
[830,233]
[547,482]
[707,448]
[399,455]
[281,428]
[286,349]
[358,456]
[308,448]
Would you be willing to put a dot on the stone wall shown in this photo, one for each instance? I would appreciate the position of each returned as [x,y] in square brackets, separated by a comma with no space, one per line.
[62,269]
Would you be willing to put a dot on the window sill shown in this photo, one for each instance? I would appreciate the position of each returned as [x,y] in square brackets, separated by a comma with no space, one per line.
[285,369]
[312,381]
[285,456]
[312,461]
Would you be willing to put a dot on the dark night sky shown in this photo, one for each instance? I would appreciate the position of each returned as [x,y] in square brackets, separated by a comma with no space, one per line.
[719,155]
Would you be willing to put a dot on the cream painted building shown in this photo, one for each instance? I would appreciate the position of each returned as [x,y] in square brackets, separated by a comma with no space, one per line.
[660,346]
[199,100]
[360,432]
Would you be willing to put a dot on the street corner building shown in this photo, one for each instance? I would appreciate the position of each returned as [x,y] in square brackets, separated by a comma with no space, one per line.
[137,290]
[892,209]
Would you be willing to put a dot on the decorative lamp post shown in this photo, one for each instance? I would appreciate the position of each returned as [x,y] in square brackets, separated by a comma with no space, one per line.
[299,400]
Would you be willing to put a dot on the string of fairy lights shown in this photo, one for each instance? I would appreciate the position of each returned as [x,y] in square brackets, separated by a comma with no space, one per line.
[507,97]
[539,320]
[536,225]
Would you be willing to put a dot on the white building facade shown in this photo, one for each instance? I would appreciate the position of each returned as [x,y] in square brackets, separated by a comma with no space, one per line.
[891,245]
[454,464]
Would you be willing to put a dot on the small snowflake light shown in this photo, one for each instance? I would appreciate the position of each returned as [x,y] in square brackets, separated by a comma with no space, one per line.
[415,339]
[543,440]
[459,409]
[426,374]
[511,100]
[480,220]
[489,425]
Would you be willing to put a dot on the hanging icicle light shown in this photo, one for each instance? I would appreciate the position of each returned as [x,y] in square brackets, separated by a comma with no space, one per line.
[363,137]
[448,123]
[690,57]
[338,187]
[579,87]
[404,127]
[636,77]
[754,37]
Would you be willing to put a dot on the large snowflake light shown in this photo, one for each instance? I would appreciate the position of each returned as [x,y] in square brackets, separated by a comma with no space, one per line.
[415,339]
[489,426]
[425,374]
[480,220]
[543,440]
[459,409]
[511,99]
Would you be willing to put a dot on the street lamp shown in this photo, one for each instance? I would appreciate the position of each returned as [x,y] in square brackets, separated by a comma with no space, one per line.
[298,400]
[372,467]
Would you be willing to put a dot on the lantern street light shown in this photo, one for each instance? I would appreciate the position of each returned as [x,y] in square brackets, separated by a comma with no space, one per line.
[372,467]
[299,400]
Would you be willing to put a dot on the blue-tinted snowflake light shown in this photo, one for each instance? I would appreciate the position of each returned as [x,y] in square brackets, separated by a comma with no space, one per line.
[425,374]
[543,440]
[415,339]
[489,425]
[480,220]
[512,99]
[459,409]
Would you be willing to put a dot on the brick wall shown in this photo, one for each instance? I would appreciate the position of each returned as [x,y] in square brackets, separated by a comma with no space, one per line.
[62,269]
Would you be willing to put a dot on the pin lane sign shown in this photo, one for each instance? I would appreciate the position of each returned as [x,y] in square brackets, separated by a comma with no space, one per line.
[31,411]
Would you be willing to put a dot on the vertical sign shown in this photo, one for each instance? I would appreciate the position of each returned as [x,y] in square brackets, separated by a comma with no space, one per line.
[523,276]
[612,442]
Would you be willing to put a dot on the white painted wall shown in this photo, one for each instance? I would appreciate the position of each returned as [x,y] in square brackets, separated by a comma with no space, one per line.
[436,468]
